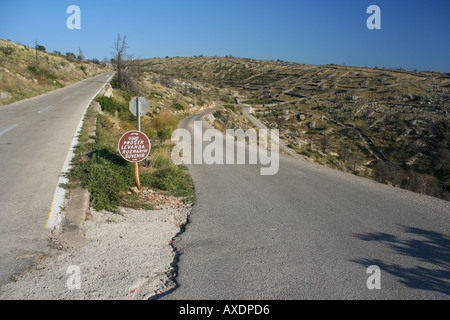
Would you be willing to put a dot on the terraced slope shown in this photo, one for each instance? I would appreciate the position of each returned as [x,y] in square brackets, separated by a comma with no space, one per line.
[391,125]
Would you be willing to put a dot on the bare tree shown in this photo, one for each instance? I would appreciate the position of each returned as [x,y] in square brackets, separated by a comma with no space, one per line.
[80,55]
[352,160]
[119,55]
[389,172]
[325,143]
[280,120]
[132,74]
[37,57]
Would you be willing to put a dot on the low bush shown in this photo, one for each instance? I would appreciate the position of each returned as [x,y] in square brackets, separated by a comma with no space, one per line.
[177,106]
[108,177]
[173,179]
[108,104]
[43,73]
[7,50]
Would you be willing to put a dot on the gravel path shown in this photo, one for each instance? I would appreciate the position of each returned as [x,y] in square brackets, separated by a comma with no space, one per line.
[126,256]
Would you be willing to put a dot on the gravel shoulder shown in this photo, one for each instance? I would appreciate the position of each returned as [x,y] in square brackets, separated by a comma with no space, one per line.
[126,256]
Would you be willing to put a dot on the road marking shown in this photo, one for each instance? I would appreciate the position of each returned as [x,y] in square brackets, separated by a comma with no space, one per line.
[45,109]
[8,129]
[54,216]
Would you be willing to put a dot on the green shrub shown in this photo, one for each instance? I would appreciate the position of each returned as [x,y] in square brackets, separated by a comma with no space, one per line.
[162,162]
[107,176]
[152,133]
[7,50]
[32,69]
[171,178]
[165,133]
[108,104]
[177,106]
[103,182]
[50,75]
[114,82]
[42,73]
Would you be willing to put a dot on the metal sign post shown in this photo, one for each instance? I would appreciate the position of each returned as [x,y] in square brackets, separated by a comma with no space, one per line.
[138,113]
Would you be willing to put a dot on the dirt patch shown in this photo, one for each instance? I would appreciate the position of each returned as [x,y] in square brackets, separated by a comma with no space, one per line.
[127,256]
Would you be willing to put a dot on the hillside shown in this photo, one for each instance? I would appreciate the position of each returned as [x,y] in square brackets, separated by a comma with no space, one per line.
[386,124]
[26,72]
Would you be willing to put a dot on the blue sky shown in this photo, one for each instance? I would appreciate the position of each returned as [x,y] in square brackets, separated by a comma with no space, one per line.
[414,34]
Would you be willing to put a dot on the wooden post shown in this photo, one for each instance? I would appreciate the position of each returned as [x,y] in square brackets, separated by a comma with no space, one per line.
[136,174]
[136,164]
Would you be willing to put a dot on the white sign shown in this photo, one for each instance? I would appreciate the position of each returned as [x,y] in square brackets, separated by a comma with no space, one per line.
[142,104]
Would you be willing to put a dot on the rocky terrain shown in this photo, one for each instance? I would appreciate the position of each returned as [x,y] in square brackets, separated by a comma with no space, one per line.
[386,124]
[391,125]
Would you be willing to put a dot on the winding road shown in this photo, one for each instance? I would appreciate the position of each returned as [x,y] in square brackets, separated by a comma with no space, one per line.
[308,232]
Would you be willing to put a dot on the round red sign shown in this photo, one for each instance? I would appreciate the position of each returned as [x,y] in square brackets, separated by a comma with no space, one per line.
[134,146]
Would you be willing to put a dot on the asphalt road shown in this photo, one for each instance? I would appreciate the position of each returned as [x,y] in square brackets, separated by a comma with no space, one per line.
[35,138]
[309,232]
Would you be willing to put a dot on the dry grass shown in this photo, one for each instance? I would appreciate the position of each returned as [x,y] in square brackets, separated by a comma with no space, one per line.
[22,76]
[366,116]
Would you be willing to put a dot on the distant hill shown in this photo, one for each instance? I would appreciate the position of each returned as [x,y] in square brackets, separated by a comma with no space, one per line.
[24,74]
[390,125]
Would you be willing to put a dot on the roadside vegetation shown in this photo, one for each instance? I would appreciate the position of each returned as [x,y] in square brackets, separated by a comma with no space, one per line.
[30,71]
[27,72]
[109,178]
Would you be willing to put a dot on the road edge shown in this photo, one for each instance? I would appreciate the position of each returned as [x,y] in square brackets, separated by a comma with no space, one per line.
[54,216]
